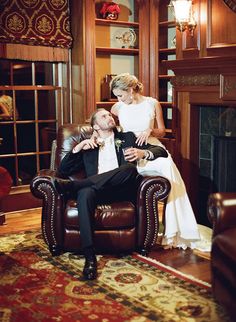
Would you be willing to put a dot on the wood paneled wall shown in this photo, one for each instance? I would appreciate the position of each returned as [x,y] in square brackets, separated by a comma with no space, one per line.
[215,32]
[205,73]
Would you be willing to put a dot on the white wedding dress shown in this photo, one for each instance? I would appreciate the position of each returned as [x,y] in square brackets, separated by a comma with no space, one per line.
[181,228]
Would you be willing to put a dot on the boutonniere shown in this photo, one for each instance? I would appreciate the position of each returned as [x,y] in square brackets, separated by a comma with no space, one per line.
[100,142]
[118,143]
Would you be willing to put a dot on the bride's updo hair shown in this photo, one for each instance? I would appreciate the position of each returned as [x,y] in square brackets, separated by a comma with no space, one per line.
[125,81]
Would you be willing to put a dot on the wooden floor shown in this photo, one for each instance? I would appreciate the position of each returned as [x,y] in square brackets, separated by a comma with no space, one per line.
[187,261]
[21,221]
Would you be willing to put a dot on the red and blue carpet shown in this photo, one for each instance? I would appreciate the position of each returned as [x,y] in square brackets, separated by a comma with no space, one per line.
[34,286]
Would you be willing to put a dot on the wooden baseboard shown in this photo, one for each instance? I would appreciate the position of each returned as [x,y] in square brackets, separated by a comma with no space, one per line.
[19,199]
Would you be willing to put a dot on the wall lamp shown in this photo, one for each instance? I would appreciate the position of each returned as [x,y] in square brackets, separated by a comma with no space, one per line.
[184,17]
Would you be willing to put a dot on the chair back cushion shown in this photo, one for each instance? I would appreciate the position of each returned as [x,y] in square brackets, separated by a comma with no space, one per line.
[68,136]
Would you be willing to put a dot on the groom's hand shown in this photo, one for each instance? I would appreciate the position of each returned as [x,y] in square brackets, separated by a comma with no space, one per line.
[85,145]
[134,154]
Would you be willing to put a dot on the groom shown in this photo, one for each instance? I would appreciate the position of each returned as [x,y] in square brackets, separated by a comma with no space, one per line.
[111,175]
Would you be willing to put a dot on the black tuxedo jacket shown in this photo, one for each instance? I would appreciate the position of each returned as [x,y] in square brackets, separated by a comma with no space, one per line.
[87,160]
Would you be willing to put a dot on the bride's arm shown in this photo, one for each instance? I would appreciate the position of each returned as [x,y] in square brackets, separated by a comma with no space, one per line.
[114,109]
[114,112]
[158,131]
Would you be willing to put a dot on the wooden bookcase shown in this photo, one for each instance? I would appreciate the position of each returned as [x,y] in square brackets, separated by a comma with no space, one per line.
[98,54]
[106,54]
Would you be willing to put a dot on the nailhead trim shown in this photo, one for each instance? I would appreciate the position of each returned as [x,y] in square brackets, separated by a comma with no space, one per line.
[41,187]
[157,195]
[103,207]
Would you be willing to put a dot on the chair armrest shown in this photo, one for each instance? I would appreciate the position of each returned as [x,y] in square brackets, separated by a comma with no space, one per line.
[42,187]
[222,211]
[46,177]
[151,190]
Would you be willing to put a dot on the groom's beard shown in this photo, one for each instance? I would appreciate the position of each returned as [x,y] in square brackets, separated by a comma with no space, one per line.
[109,127]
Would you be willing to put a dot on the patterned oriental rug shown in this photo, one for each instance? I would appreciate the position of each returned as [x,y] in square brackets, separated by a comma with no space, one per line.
[34,286]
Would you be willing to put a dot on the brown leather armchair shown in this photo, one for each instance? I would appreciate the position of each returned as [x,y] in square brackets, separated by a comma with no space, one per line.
[119,227]
[222,213]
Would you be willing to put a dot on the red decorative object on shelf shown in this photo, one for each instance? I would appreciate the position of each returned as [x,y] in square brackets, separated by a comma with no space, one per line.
[110,10]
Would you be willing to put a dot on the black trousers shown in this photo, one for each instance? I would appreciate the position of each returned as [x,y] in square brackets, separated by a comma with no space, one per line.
[115,185]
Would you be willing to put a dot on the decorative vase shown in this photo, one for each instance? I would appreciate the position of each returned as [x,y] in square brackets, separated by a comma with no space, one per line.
[112,16]
[110,10]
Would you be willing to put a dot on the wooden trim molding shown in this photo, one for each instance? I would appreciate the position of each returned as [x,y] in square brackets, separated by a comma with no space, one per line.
[89,58]
[144,45]
[231,4]
[206,65]
[228,87]
[196,80]
[217,39]
[154,40]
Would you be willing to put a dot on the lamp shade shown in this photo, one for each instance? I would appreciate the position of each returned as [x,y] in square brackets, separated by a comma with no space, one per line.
[182,9]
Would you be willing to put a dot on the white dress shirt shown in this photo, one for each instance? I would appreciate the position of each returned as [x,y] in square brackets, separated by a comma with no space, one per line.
[107,158]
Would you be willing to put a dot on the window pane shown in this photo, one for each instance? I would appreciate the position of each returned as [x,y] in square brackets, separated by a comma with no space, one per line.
[47,133]
[9,164]
[169,92]
[27,169]
[167,115]
[45,161]
[25,105]
[46,105]
[44,73]
[7,139]
[7,106]
[22,73]
[5,74]
[171,37]
[26,138]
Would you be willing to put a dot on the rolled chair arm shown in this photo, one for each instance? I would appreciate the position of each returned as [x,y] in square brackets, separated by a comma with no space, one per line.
[42,187]
[151,190]
[222,211]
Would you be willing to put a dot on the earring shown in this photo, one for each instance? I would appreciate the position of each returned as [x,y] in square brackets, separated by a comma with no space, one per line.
[131,97]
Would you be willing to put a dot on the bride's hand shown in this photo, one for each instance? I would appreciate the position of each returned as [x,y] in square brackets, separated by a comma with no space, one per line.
[143,137]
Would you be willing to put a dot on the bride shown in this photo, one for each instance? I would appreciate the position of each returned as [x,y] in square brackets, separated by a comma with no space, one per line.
[137,113]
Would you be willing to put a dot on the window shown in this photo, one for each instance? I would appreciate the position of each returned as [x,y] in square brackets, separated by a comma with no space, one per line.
[31,93]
